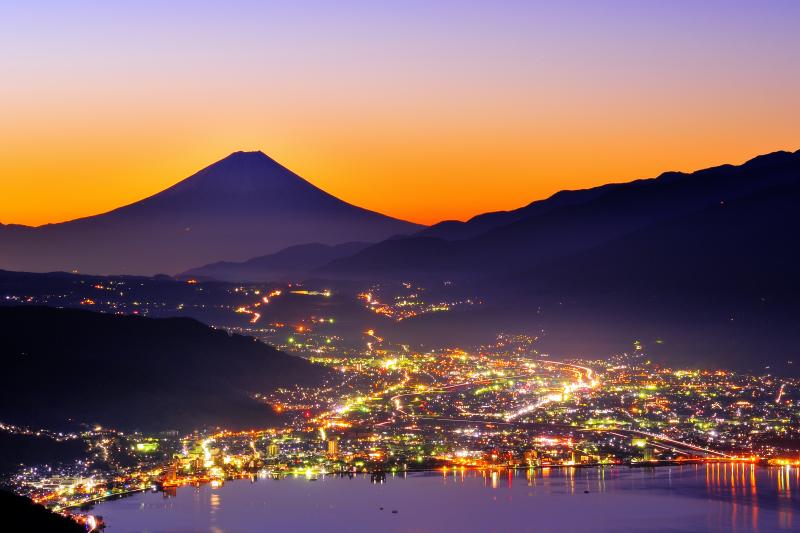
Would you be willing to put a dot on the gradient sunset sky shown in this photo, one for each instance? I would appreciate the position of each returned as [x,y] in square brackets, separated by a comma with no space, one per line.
[421,110]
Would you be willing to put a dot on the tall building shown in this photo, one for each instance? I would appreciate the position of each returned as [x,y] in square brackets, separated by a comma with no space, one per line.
[648,453]
[171,472]
[272,450]
[333,447]
[532,458]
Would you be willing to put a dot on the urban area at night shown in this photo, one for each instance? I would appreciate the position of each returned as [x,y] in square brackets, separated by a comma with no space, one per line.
[399,267]
[500,411]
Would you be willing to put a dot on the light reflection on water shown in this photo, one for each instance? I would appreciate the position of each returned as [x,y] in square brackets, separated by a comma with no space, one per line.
[706,497]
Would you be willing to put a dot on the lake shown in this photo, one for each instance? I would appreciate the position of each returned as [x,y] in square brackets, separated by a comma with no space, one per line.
[711,497]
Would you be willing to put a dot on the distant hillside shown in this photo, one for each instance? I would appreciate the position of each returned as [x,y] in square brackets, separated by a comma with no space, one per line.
[210,302]
[293,263]
[133,372]
[240,207]
[565,224]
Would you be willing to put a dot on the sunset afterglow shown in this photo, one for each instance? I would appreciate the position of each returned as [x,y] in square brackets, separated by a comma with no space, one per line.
[420,111]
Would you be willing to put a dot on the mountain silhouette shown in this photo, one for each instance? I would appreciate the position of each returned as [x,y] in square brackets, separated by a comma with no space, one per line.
[242,206]
[719,284]
[701,268]
[567,223]
[136,372]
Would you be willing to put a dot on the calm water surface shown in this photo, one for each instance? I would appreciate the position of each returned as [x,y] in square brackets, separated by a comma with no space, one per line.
[687,498]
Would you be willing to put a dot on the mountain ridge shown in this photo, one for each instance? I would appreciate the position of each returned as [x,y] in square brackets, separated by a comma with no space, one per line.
[562,225]
[457,230]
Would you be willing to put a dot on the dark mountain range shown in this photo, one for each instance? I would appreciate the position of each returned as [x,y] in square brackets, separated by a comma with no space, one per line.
[292,263]
[240,207]
[133,372]
[700,268]
[565,224]
[717,287]
[742,246]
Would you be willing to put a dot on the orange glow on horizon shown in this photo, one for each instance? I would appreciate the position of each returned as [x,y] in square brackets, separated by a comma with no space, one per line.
[50,190]
[421,112]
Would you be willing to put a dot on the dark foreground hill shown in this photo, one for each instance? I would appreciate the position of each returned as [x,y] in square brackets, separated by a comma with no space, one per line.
[21,514]
[133,372]
[243,206]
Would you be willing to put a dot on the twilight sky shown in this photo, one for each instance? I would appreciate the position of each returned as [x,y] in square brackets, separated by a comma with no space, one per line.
[422,110]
